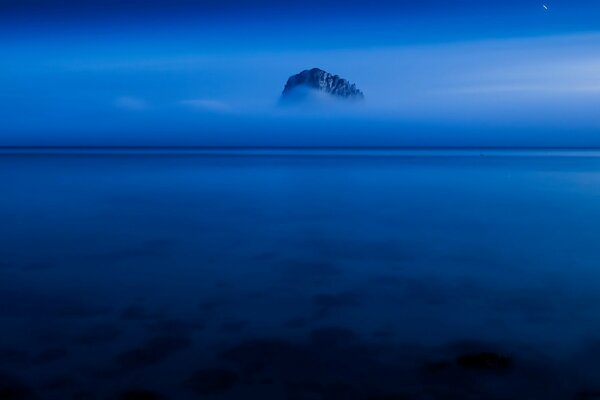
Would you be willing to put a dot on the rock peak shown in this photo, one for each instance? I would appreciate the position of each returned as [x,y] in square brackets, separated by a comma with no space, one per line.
[320,80]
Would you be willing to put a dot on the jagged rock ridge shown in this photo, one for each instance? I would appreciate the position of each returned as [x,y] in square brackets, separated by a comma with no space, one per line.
[317,79]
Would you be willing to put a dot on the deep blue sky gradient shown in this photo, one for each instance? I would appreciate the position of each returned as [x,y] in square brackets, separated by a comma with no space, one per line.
[373,22]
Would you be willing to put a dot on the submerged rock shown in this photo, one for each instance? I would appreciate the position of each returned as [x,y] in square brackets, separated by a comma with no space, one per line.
[332,337]
[389,397]
[14,358]
[210,381]
[98,334]
[587,395]
[318,81]
[13,389]
[153,352]
[485,361]
[140,394]
[50,356]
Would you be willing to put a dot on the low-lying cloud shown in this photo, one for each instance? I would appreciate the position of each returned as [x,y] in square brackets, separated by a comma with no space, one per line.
[209,105]
[130,103]
[478,91]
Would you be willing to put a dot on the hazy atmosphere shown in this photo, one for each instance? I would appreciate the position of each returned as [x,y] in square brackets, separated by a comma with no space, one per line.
[299,200]
[458,73]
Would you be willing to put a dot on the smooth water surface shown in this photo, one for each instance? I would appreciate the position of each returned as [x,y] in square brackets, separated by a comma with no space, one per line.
[299,275]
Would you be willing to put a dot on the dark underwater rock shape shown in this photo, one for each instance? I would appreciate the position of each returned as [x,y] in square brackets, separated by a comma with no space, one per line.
[14,358]
[318,80]
[50,356]
[234,326]
[138,313]
[587,395]
[60,383]
[327,304]
[389,397]
[153,352]
[140,394]
[211,381]
[485,361]
[13,389]
[174,326]
[320,390]
[99,334]
[332,337]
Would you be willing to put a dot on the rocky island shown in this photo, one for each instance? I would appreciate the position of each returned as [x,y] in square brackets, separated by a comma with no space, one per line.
[316,81]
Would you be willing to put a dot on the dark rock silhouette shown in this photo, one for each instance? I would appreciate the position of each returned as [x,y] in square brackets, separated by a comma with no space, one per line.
[316,79]
[210,381]
[140,394]
[486,361]
[587,395]
[13,389]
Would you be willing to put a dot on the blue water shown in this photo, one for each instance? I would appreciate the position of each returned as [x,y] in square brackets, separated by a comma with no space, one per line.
[271,274]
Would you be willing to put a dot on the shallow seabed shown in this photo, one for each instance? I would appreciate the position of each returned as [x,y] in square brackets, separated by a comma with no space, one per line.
[270,274]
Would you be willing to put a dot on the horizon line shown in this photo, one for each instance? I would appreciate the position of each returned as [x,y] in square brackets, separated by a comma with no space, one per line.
[300,147]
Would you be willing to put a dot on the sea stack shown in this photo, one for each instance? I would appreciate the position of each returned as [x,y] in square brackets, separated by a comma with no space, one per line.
[316,82]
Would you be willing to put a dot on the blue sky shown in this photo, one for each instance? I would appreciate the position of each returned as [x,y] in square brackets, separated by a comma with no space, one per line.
[209,73]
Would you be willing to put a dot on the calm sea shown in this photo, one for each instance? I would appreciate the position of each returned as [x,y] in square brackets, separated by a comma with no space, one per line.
[299,274]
